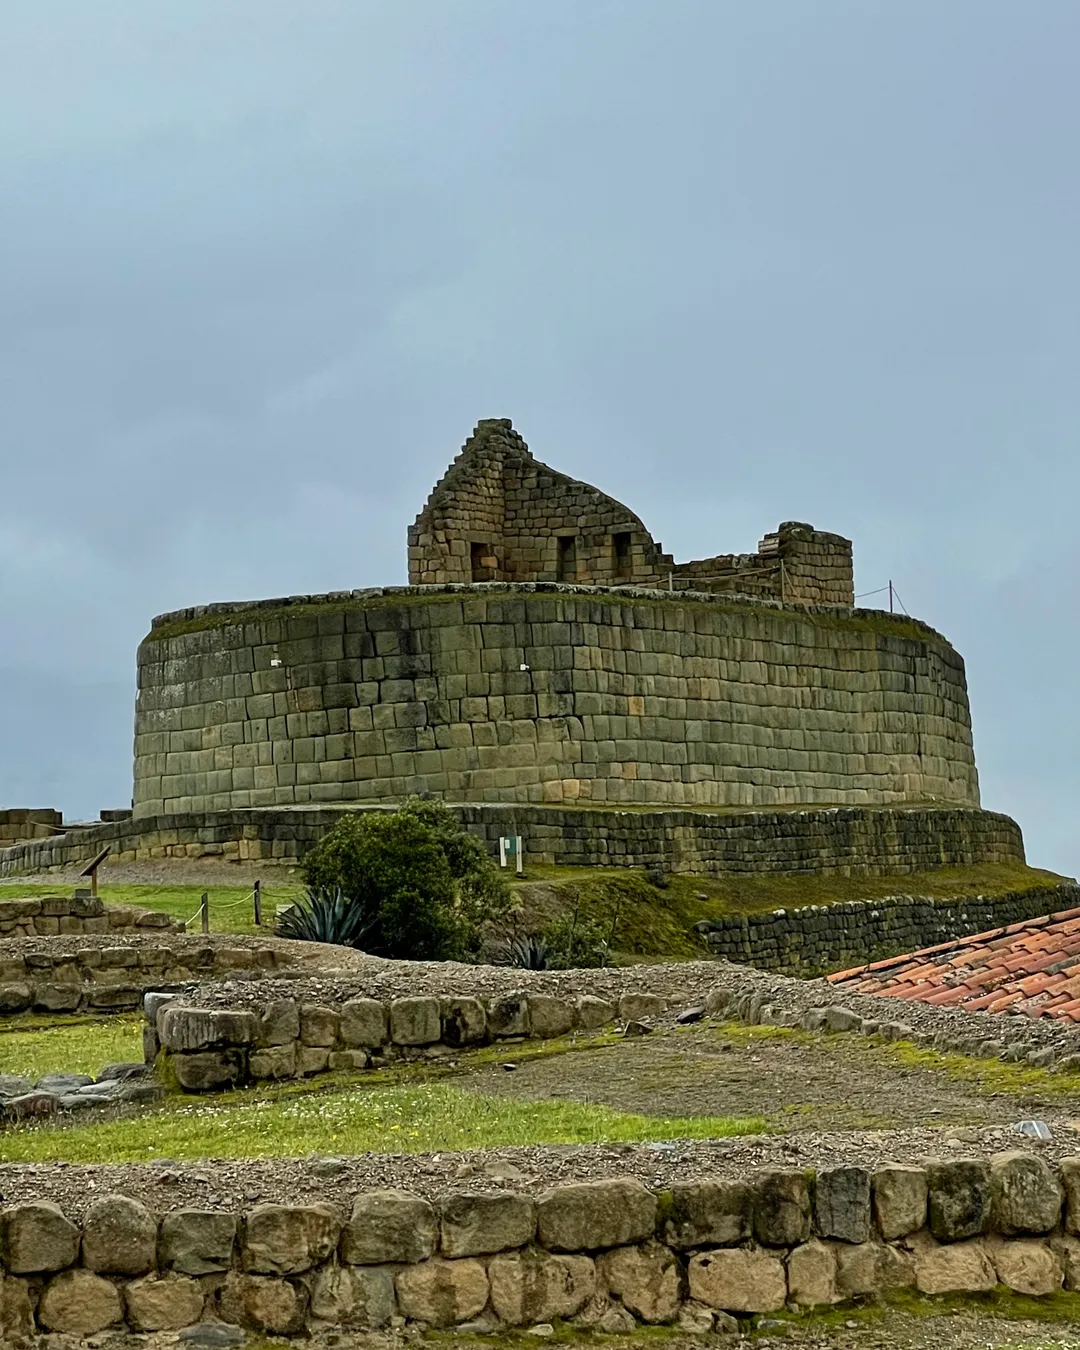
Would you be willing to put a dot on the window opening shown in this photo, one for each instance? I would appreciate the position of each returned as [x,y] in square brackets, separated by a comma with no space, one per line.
[620,548]
[567,559]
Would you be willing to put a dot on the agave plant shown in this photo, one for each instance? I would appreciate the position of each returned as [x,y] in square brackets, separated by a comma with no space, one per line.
[327,916]
[526,951]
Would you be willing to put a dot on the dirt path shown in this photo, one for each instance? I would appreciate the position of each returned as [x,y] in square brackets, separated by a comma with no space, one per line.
[796,1082]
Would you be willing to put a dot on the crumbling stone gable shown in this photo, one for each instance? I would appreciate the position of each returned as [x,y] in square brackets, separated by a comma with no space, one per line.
[499,514]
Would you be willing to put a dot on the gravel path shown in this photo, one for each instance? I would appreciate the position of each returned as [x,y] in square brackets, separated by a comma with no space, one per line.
[239,1184]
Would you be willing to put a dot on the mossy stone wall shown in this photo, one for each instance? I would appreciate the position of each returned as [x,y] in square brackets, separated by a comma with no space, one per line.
[545,694]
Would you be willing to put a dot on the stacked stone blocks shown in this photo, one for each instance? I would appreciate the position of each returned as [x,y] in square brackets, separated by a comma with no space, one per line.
[548,698]
[604,1254]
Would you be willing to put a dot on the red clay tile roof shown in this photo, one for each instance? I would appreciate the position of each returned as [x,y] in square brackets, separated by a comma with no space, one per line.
[1031,967]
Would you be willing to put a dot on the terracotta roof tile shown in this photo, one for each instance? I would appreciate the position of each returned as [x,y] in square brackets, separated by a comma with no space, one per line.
[1031,967]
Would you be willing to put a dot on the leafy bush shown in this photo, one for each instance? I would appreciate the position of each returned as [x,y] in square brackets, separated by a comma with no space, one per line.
[430,886]
[574,942]
[326,916]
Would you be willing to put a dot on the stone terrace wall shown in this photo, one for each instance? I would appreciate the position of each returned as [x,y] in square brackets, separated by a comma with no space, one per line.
[492,694]
[210,1048]
[818,938]
[50,915]
[60,976]
[849,841]
[606,1254]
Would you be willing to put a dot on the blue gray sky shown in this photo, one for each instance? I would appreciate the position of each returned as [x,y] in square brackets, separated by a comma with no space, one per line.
[264,263]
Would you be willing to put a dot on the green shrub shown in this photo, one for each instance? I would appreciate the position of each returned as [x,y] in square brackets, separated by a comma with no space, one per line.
[431,886]
[327,916]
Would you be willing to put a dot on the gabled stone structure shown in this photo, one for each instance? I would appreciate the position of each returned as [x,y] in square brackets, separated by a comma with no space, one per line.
[498,514]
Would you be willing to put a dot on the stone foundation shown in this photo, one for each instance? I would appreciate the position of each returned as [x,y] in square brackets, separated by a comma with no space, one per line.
[54,915]
[605,1254]
[104,977]
[818,938]
[849,841]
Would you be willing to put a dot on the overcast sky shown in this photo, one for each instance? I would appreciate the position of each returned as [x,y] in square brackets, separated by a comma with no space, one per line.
[264,263]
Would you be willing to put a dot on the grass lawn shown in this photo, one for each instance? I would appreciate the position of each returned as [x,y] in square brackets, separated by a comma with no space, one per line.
[231,907]
[418,1118]
[35,1045]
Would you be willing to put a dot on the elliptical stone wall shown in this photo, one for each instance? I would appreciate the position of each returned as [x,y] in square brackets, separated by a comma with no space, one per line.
[542,694]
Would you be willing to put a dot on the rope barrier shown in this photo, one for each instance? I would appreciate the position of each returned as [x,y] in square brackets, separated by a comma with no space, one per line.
[880,591]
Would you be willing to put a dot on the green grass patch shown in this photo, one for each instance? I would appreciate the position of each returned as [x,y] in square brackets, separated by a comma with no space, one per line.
[654,921]
[232,909]
[990,1076]
[73,1046]
[420,1118]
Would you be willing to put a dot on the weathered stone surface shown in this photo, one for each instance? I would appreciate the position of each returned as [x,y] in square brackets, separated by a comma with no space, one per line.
[16,1313]
[311,1059]
[197,1241]
[207,1070]
[274,1061]
[536,1286]
[1027,1195]
[164,1303]
[638,1007]
[961,1267]
[594,1012]
[782,1208]
[260,1301]
[288,1239]
[899,1195]
[363,1023]
[354,1296]
[79,1303]
[15,997]
[279,1023]
[442,1293]
[185,1030]
[737,1280]
[475,1223]
[1070,1176]
[594,1214]
[708,1214]
[508,1016]
[842,1203]
[811,1272]
[38,1237]
[464,1021]
[959,1199]
[1068,1249]
[389,1226]
[868,1267]
[1027,1266]
[646,1278]
[415,1021]
[318,1026]
[119,1237]
[549,1017]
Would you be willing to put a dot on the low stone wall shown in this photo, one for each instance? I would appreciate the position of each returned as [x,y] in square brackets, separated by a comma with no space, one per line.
[850,841]
[819,938]
[209,1048]
[19,823]
[604,1254]
[51,915]
[105,978]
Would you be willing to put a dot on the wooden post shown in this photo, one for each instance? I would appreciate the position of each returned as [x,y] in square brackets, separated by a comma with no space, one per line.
[204,912]
[890,597]
[91,869]
[258,904]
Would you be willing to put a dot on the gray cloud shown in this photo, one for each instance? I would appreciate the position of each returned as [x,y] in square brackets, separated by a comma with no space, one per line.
[265,264]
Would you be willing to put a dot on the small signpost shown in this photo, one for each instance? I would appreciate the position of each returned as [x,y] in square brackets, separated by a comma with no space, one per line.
[91,869]
[510,847]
